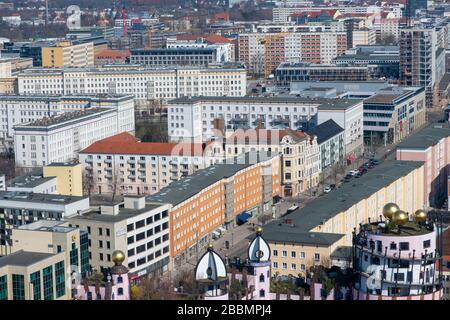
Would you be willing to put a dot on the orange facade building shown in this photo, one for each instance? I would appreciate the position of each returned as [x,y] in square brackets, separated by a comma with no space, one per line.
[213,197]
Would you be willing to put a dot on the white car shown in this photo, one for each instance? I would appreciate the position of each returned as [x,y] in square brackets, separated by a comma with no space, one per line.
[353,172]
[327,190]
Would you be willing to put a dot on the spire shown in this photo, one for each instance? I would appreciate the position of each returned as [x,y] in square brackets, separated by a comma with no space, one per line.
[259,250]
[210,267]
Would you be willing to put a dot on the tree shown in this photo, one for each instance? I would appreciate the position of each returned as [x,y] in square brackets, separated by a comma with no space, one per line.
[88,182]
[116,181]
[257,64]
[154,288]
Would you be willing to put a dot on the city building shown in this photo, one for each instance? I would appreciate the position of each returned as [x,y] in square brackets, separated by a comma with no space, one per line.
[202,118]
[330,139]
[422,58]
[363,37]
[214,197]
[116,286]
[50,236]
[225,49]
[143,82]
[34,276]
[430,145]
[21,208]
[203,56]
[300,168]
[135,226]
[109,56]
[33,181]
[398,258]
[262,52]
[381,61]
[316,230]
[68,176]
[393,114]
[68,54]
[59,138]
[285,73]
[129,166]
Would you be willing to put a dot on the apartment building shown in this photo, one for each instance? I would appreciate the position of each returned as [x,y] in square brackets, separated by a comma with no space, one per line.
[21,208]
[422,58]
[432,146]
[213,197]
[330,140]
[20,109]
[68,177]
[49,236]
[364,37]
[392,114]
[287,72]
[136,227]
[300,167]
[60,138]
[34,276]
[143,83]
[225,50]
[308,236]
[129,166]
[201,118]
[263,52]
[68,54]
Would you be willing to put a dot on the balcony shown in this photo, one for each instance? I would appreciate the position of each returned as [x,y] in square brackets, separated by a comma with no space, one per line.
[174,178]
[141,161]
[132,176]
[142,169]
[108,161]
[131,161]
[89,160]
[131,169]
[185,169]
[142,176]
[108,176]
[173,170]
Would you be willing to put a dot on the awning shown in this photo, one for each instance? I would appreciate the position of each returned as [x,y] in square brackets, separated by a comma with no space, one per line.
[243,217]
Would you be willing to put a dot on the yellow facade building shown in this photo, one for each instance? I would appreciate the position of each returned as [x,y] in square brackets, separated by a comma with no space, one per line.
[67,54]
[325,224]
[69,177]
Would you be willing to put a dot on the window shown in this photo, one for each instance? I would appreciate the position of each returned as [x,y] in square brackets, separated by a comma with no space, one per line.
[119,279]
[293,254]
[18,287]
[316,256]
[399,276]
[275,253]
[284,253]
[140,224]
[427,244]
[35,279]
[140,236]
[130,227]
[120,291]
[131,252]
[60,279]
[284,266]
[275,265]
[100,231]
[100,243]
[107,232]
[261,278]
[293,266]
[393,246]
[130,240]
[262,293]
[404,246]
[302,267]
[101,256]
[48,283]
[302,255]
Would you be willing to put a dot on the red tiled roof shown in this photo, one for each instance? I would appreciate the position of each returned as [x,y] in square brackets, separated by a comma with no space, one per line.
[112,54]
[212,38]
[125,143]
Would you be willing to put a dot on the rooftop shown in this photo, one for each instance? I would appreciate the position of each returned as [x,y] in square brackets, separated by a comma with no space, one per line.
[30,180]
[263,136]
[63,164]
[410,228]
[47,226]
[181,190]
[426,137]
[325,130]
[320,210]
[322,102]
[23,258]
[38,197]
[289,234]
[125,143]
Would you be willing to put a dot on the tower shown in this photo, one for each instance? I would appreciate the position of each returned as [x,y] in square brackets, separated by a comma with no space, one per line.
[119,274]
[259,260]
[211,273]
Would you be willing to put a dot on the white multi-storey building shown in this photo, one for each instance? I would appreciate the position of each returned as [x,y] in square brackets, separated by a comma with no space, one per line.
[19,109]
[58,139]
[124,164]
[143,83]
[203,118]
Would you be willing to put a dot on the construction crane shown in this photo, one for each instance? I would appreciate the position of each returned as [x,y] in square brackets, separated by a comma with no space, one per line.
[124,18]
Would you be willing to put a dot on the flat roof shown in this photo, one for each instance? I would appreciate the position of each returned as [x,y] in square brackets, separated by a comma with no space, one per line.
[47,226]
[38,197]
[426,137]
[124,214]
[326,103]
[30,180]
[181,190]
[324,208]
[23,258]
[63,164]
[289,234]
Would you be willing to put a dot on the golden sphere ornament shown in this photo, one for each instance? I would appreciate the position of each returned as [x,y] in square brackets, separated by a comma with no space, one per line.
[389,209]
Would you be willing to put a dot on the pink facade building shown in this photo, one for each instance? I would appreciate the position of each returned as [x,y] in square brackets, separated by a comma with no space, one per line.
[432,146]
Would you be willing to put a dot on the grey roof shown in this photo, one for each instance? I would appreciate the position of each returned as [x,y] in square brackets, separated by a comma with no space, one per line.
[23,258]
[322,102]
[426,137]
[181,190]
[30,180]
[63,164]
[286,233]
[38,197]
[124,214]
[325,131]
[342,252]
[320,210]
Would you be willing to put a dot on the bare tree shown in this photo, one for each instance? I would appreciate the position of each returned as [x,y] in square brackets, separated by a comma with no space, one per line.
[116,182]
[257,64]
[88,182]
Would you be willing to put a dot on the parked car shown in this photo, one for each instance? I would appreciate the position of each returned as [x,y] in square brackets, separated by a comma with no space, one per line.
[215,234]
[332,186]
[358,175]
[375,162]
[292,209]
[327,189]
[352,172]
